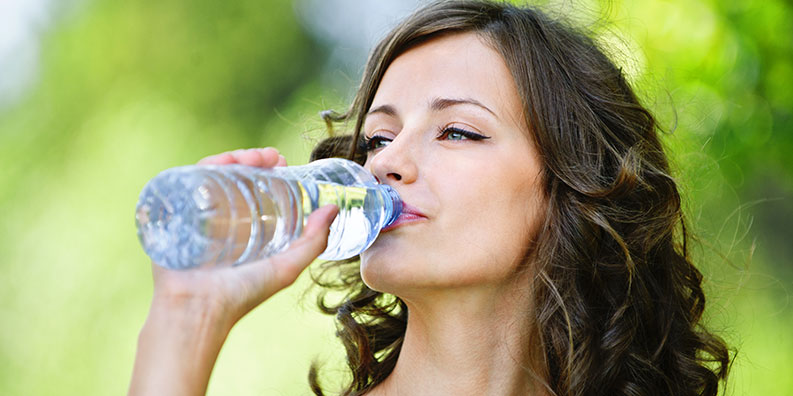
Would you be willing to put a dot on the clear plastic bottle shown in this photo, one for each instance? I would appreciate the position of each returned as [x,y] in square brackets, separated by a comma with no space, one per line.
[199,215]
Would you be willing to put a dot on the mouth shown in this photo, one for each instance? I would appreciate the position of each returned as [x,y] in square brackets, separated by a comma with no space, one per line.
[409,215]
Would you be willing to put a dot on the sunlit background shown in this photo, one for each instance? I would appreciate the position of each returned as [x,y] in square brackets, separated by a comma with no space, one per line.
[97,96]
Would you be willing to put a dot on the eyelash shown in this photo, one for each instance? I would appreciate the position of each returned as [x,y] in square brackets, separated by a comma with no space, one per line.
[368,144]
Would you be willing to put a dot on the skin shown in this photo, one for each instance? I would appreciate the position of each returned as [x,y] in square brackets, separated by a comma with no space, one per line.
[459,269]
[458,266]
[193,311]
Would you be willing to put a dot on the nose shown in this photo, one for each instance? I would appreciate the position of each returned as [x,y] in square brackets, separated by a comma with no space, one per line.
[394,163]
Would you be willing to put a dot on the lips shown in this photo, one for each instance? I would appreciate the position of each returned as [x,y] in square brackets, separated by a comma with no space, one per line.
[409,214]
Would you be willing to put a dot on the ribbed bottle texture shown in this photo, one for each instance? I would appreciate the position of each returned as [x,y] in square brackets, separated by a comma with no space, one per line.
[199,215]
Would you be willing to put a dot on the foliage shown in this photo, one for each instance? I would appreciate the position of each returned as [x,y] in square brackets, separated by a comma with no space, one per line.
[126,89]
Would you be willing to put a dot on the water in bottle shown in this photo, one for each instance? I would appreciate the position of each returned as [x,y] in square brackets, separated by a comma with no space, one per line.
[199,215]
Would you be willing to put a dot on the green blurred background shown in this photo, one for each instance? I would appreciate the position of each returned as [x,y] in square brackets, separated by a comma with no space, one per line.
[97,96]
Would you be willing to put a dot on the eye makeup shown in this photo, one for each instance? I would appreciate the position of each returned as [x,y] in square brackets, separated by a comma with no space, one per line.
[451,133]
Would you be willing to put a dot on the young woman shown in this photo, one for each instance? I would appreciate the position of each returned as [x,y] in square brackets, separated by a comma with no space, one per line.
[542,249]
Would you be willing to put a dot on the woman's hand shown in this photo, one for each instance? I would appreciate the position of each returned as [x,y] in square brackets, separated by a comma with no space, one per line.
[234,291]
[193,310]
[263,158]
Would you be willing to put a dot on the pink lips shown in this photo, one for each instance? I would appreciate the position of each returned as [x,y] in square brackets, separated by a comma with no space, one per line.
[409,214]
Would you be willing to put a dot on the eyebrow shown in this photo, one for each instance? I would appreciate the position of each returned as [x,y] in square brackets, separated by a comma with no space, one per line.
[384,109]
[436,104]
[439,104]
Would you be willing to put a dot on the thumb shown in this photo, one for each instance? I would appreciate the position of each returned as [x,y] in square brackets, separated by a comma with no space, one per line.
[282,269]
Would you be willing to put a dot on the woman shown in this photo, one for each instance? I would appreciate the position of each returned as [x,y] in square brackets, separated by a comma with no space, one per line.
[542,250]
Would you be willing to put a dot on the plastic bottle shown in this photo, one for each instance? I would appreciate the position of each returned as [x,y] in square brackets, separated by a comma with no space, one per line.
[200,215]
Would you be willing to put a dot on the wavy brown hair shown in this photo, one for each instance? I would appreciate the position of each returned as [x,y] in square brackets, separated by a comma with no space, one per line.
[617,300]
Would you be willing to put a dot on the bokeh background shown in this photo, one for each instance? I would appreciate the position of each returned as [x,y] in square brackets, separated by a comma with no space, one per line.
[97,96]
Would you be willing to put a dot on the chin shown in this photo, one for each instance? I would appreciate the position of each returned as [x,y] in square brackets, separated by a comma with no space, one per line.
[374,272]
[403,276]
[387,274]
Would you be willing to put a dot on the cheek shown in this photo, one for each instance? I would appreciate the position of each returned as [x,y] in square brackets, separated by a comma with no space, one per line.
[496,240]
[492,226]
[482,233]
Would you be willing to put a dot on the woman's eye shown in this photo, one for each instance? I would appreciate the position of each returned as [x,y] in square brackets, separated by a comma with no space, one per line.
[454,133]
[375,142]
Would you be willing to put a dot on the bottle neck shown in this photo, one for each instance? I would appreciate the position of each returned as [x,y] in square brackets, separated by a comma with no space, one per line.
[393,204]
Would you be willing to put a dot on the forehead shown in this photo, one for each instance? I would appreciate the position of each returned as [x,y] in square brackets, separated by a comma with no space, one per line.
[458,65]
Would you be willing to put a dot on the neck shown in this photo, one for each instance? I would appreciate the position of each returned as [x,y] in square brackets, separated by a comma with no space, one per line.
[464,342]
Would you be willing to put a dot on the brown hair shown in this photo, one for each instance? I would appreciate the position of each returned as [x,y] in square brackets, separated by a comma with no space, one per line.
[617,300]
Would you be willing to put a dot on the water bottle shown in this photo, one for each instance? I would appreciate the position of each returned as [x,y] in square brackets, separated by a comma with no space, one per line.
[200,215]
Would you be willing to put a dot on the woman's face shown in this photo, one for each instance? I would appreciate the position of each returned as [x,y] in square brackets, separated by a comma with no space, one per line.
[447,132]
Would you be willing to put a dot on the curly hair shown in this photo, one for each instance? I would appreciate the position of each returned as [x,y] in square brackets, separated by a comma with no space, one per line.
[617,301]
